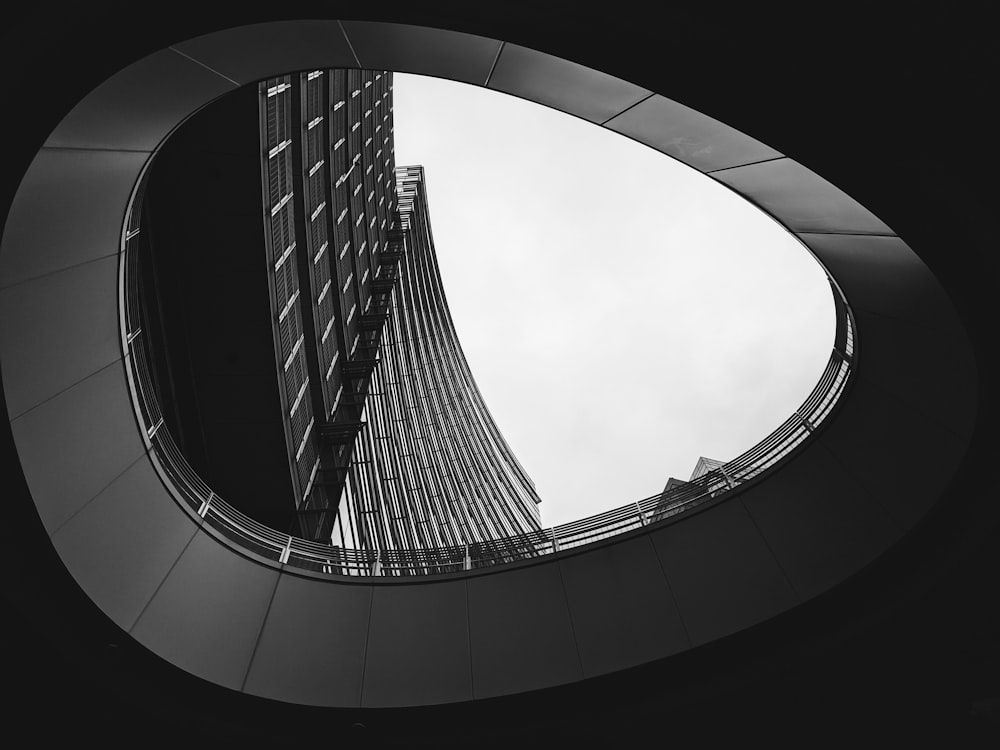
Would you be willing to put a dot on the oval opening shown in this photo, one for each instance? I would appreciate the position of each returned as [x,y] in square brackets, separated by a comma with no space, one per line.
[623,316]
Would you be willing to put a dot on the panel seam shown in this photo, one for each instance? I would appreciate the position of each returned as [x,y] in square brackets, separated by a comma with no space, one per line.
[98,148]
[119,475]
[770,551]
[493,67]
[349,45]
[670,590]
[260,632]
[748,164]
[364,658]
[67,388]
[47,274]
[468,630]
[650,95]
[162,581]
[569,614]
[872,496]
[206,67]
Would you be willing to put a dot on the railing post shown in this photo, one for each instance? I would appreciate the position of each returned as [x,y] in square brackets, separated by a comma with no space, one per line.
[286,551]
[805,422]
[377,567]
[205,504]
[555,542]
[729,479]
[642,516]
[467,562]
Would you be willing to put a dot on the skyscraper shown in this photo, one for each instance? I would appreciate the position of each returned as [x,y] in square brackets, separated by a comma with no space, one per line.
[390,442]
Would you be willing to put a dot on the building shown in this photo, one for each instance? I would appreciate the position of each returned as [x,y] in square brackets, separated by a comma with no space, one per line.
[366,431]
[391,442]
[678,493]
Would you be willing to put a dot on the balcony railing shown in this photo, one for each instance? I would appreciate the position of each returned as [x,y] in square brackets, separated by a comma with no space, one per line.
[325,559]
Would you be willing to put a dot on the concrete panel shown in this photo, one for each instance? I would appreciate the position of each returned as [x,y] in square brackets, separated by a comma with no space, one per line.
[933,372]
[821,524]
[689,136]
[882,275]
[136,108]
[70,209]
[416,49]
[206,616]
[721,572]
[886,445]
[121,544]
[801,199]
[521,631]
[562,84]
[418,646]
[57,330]
[253,53]
[312,648]
[74,445]
[623,611]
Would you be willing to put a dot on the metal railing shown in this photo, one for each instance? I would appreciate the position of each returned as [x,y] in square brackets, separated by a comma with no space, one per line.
[300,553]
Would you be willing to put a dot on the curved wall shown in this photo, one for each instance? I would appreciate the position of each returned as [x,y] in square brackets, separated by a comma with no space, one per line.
[868,477]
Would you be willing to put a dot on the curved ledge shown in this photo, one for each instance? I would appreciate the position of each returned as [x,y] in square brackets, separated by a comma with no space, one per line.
[278,550]
[881,463]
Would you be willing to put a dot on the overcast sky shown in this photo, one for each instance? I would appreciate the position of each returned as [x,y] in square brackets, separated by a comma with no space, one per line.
[621,313]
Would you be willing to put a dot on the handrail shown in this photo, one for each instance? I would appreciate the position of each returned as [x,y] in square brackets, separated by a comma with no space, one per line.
[333,560]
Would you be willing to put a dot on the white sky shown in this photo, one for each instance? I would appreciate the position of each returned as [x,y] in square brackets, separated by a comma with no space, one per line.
[622,314]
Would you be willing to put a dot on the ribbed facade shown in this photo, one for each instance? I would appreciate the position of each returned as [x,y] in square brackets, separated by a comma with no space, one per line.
[390,444]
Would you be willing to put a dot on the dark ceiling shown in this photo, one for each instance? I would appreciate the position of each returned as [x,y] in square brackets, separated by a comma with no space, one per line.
[892,107]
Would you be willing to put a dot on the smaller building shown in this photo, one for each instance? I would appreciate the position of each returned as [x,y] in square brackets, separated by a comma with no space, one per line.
[707,480]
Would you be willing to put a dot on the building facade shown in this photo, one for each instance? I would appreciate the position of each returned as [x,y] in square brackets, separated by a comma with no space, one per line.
[389,441]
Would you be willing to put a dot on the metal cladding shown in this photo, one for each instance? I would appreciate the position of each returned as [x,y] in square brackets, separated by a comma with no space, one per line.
[391,444]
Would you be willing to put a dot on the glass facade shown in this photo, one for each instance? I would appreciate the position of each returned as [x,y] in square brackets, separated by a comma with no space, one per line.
[390,442]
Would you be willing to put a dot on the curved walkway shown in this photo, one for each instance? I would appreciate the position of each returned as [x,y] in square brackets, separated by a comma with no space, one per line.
[880,464]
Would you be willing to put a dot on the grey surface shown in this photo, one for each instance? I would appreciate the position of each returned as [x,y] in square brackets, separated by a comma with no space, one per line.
[148,532]
[561,84]
[721,572]
[689,136]
[801,199]
[623,611]
[137,107]
[415,49]
[70,210]
[522,635]
[312,647]
[930,371]
[57,330]
[252,53]
[883,275]
[206,616]
[893,452]
[819,531]
[418,645]
[75,444]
